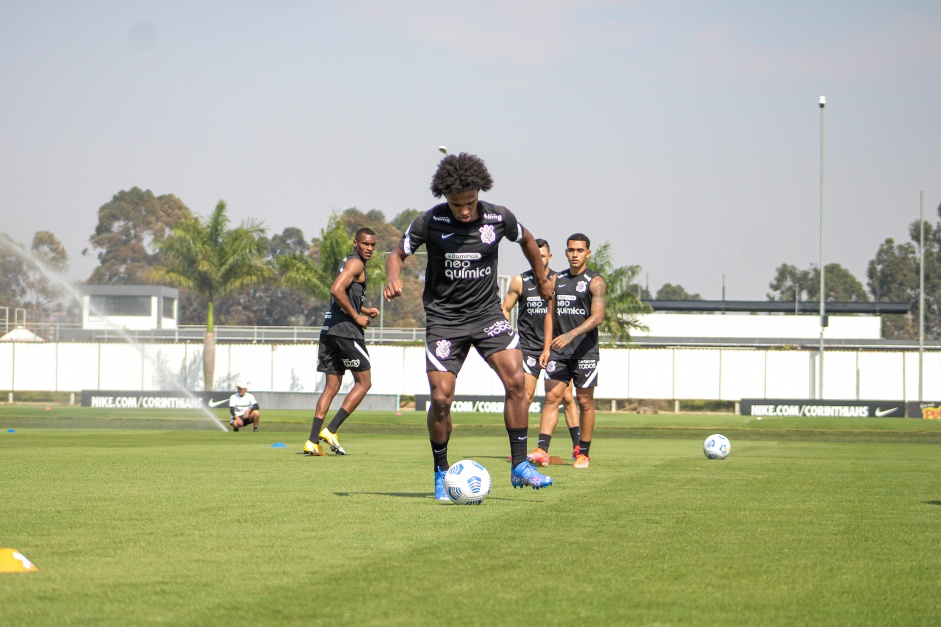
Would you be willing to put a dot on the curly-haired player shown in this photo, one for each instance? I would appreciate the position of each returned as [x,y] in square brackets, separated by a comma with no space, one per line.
[462,304]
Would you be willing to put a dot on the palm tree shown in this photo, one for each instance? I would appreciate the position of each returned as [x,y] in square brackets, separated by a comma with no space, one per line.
[621,305]
[213,260]
[301,272]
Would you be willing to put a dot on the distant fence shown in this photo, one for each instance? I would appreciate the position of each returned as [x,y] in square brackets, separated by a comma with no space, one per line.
[728,374]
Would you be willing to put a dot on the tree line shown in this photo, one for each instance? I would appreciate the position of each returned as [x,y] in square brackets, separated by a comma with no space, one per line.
[283,279]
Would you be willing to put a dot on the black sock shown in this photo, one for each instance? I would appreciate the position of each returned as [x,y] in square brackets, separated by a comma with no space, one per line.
[440,452]
[575,432]
[315,430]
[583,447]
[518,443]
[337,420]
[543,441]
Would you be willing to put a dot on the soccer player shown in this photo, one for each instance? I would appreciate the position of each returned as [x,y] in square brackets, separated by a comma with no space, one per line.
[343,344]
[570,352]
[462,304]
[244,409]
[530,324]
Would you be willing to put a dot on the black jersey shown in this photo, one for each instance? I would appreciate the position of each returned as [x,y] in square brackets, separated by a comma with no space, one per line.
[572,308]
[337,322]
[461,276]
[532,314]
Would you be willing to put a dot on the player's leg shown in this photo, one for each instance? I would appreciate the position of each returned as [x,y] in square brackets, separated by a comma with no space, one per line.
[529,381]
[506,362]
[547,422]
[445,351]
[586,405]
[255,415]
[441,387]
[362,381]
[331,386]
[328,362]
[356,358]
[571,418]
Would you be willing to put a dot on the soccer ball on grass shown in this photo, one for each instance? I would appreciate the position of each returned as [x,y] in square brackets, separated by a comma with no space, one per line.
[467,482]
[716,446]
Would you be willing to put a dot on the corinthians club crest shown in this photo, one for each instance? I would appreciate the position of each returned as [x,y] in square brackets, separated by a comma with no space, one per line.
[487,236]
[443,348]
[581,286]
[531,361]
[550,367]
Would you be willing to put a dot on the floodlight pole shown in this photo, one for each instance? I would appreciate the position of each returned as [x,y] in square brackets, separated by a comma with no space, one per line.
[921,299]
[823,312]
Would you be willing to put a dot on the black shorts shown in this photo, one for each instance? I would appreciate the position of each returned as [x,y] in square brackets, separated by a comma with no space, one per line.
[531,363]
[583,371]
[446,348]
[339,354]
[246,419]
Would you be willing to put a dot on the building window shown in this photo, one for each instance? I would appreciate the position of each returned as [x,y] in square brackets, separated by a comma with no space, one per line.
[168,304]
[120,306]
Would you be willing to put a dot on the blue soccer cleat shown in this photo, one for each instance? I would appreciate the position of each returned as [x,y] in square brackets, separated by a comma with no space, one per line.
[525,474]
[441,495]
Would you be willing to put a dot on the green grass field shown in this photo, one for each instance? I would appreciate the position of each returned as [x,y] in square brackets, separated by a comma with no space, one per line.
[150,518]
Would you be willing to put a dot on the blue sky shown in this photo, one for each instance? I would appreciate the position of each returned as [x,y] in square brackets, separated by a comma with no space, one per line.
[685,133]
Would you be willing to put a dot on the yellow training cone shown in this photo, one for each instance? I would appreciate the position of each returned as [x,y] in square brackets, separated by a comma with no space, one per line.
[12,561]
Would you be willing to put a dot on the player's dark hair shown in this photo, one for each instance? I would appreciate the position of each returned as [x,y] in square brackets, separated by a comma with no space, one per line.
[363,231]
[460,173]
[541,243]
[580,237]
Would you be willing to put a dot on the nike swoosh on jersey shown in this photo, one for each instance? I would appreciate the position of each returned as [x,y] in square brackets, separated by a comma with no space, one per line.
[213,403]
[530,289]
[446,235]
[561,284]
[880,412]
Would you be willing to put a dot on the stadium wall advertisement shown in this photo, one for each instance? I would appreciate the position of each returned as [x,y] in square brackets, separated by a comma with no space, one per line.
[928,411]
[123,399]
[768,407]
[474,404]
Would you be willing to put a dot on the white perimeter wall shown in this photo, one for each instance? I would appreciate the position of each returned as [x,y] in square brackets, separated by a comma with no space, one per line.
[759,325]
[666,373]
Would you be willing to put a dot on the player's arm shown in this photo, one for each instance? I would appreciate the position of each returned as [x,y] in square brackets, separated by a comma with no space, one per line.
[544,286]
[548,330]
[512,295]
[598,291]
[351,269]
[394,262]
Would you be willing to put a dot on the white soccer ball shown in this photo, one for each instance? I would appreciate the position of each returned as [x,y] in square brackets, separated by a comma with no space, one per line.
[716,446]
[467,482]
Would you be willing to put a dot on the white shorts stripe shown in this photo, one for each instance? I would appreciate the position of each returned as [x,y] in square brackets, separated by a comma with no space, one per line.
[594,373]
[434,361]
[526,368]
[515,342]
[361,351]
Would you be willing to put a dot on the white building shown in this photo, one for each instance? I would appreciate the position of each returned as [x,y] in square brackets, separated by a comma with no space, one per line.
[129,307]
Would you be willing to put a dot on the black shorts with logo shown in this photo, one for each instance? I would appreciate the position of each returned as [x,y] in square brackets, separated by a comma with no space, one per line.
[339,354]
[531,363]
[583,371]
[446,347]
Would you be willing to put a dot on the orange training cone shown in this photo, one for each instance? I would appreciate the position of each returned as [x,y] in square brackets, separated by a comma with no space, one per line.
[12,561]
